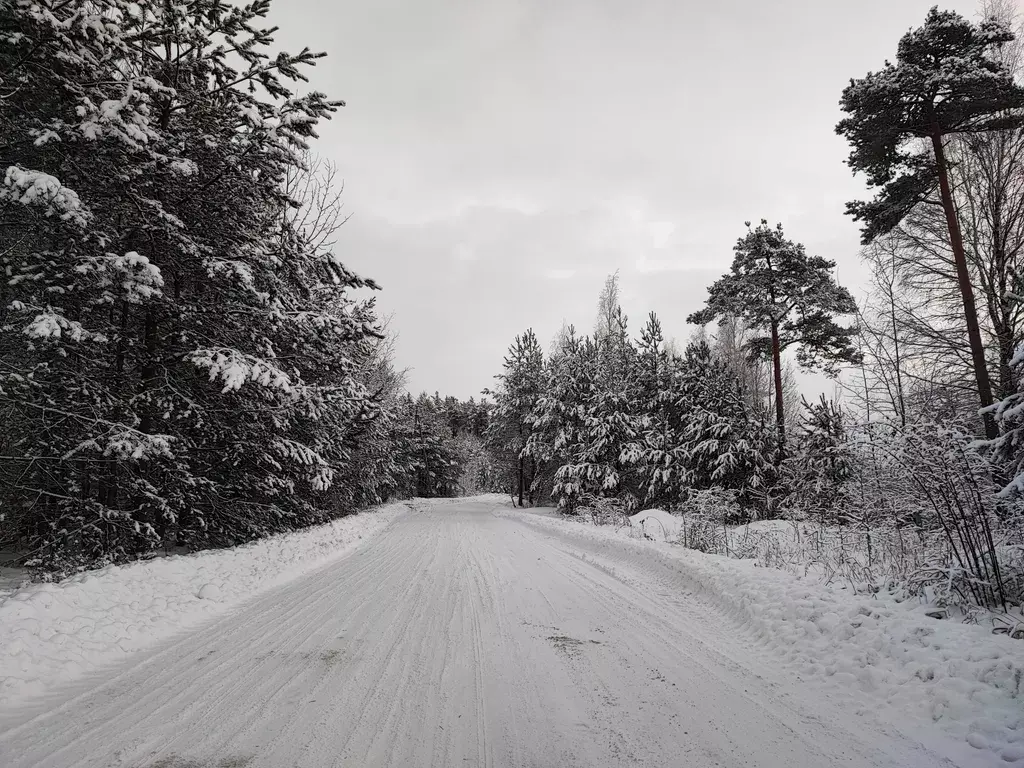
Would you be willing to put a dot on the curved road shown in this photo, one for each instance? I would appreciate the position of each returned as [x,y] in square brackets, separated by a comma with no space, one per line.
[456,637]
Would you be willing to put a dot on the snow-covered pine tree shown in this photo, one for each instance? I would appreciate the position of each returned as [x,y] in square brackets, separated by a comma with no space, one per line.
[162,314]
[557,421]
[370,473]
[822,463]
[610,448]
[426,453]
[515,397]
[727,445]
[60,376]
[662,467]
[469,421]
[480,472]
[1007,450]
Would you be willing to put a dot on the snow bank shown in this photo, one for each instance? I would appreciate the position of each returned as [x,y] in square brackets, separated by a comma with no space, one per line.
[54,633]
[883,653]
[656,524]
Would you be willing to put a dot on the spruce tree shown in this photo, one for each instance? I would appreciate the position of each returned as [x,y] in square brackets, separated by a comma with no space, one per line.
[181,357]
[428,456]
[823,461]
[517,393]
[370,473]
[558,421]
[660,399]
[726,444]
[605,455]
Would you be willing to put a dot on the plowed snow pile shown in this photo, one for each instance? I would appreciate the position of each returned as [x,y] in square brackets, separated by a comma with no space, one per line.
[54,633]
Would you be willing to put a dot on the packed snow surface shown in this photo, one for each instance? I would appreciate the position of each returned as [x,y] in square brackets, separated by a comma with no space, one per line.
[55,633]
[468,635]
[879,654]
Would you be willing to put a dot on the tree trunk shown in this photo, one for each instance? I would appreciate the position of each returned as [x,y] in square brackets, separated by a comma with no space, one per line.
[533,479]
[899,366]
[1001,313]
[1000,305]
[521,478]
[522,466]
[966,290]
[780,412]
[149,371]
[1007,349]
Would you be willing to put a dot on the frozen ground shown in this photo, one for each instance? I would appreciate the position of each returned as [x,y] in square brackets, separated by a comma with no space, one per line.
[469,635]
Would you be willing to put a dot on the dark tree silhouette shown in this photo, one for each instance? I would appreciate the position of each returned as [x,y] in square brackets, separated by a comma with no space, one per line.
[777,288]
[946,81]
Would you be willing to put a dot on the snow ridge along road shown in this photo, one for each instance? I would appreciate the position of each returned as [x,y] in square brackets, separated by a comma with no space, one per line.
[51,634]
[455,637]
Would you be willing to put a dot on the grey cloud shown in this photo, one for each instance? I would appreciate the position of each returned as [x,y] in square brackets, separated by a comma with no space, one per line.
[502,156]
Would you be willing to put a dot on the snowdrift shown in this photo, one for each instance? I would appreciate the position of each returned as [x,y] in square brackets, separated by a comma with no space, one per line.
[656,524]
[51,634]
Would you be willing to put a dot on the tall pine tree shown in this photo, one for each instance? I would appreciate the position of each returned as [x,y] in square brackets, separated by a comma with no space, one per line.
[947,80]
[792,298]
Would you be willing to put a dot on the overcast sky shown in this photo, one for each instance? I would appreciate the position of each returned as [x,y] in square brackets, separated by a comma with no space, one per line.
[502,157]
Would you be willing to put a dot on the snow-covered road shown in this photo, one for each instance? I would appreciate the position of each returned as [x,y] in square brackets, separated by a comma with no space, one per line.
[456,637]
